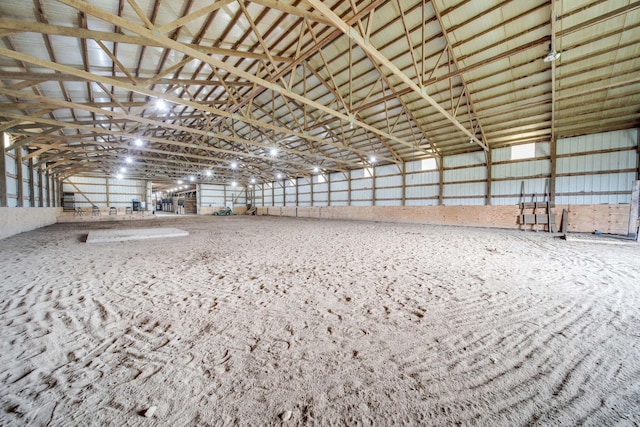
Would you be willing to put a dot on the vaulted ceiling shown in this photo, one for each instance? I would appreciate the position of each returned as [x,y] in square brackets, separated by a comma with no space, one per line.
[255,88]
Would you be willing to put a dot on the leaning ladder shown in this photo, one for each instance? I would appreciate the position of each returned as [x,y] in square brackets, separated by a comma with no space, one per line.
[537,214]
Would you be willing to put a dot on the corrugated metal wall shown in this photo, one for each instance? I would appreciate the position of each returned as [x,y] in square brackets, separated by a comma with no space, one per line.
[104,192]
[12,178]
[212,195]
[522,180]
[465,179]
[597,168]
[591,169]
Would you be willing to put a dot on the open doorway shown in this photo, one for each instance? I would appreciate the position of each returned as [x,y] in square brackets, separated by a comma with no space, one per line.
[170,198]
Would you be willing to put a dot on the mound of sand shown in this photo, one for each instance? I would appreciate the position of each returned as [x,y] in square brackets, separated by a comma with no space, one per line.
[260,321]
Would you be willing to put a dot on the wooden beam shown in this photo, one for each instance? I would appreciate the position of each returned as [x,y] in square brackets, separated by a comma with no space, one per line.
[3,171]
[192,16]
[32,187]
[634,211]
[367,47]
[20,202]
[49,189]
[40,192]
[173,99]
[81,33]
[489,159]
[440,180]
[214,62]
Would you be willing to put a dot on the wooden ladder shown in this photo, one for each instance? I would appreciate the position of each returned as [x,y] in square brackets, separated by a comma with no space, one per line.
[536,214]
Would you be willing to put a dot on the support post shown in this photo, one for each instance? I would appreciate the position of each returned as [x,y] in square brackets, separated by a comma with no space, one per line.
[404,183]
[634,210]
[48,179]
[373,185]
[32,187]
[3,171]
[311,181]
[489,175]
[20,202]
[328,188]
[40,188]
[106,181]
[441,181]
[552,180]
[349,188]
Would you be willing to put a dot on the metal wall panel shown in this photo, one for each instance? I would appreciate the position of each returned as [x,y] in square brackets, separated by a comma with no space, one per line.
[543,149]
[599,141]
[339,185]
[467,159]
[361,203]
[389,181]
[388,203]
[361,184]
[10,164]
[422,192]
[467,189]
[304,198]
[387,170]
[339,196]
[362,195]
[389,193]
[421,202]
[519,169]
[320,188]
[464,202]
[466,174]
[423,178]
[357,173]
[597,162]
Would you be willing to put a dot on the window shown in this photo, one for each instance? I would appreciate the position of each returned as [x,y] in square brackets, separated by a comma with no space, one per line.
[429,164]
[321,179]
[524,151]
[368,172]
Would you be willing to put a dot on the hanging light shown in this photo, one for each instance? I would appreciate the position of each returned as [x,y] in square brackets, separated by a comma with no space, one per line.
[552,55]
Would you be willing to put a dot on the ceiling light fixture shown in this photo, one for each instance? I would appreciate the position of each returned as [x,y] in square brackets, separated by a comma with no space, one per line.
[138,142]
[208,173]
[123,170]
[316,169]
[234,165]
[128,160]
[274,152]
[372,159]
[552,55]
[161,105]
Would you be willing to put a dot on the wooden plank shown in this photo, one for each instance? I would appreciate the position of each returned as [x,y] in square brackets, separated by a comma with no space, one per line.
[565,221]
[634,209]
[3,172]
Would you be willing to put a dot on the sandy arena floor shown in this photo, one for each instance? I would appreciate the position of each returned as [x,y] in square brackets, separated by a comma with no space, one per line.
[268,321]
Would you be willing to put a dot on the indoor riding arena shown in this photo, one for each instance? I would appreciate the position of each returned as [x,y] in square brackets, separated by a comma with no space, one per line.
[328,213]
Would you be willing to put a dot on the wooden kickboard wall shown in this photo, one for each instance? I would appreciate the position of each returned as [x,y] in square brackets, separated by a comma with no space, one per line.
[582,218]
